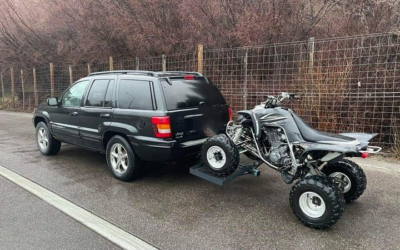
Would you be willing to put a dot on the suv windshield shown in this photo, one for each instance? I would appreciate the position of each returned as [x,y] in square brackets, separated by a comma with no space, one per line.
[190,93]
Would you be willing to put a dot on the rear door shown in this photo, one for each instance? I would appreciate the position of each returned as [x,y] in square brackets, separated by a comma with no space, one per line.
[195,106]
[97,113]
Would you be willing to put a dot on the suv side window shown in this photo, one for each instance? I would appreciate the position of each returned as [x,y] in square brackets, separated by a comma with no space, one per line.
[134,94]
[97,93]
[74,95]
[109,95]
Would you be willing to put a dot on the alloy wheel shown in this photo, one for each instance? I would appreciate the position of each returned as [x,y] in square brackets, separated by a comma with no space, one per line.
[119,158]
[43,139]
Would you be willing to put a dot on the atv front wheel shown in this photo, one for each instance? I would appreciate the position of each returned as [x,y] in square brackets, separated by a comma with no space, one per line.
[220,155]
[317,202]
[355,181]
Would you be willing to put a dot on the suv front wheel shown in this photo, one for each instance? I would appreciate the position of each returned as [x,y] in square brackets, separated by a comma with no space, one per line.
[122,161]
[46,143]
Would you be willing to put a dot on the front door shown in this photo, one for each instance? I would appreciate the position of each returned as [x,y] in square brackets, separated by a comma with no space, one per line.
[97,113]
[65,118]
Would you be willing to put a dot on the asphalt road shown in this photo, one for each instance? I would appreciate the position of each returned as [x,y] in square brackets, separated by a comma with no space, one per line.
[172,209]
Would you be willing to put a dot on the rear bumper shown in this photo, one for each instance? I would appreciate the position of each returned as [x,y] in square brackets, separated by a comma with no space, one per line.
[154,149]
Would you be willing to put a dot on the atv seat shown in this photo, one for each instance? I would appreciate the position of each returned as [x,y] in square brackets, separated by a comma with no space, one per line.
[311,135]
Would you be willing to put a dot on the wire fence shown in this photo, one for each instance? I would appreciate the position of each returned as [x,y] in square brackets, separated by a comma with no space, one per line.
[347,84]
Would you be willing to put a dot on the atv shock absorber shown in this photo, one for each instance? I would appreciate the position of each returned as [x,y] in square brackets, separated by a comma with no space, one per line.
[237,134]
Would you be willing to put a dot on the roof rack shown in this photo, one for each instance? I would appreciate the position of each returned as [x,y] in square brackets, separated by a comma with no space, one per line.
[149,73]
[178,73]
[136,72]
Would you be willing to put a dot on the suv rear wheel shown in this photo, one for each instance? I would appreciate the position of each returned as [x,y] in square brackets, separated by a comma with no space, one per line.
[122,161]
[46,143]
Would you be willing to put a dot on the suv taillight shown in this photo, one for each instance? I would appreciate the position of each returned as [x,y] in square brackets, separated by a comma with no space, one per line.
[230,114]
[161,126]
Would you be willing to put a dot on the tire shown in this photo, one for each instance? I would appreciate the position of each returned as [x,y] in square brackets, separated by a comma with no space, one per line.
[46,143]
[317,202]
[350,171]
[122,161]
[220,155]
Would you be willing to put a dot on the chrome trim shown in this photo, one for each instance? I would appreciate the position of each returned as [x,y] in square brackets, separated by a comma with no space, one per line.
[62,125]
[89,129]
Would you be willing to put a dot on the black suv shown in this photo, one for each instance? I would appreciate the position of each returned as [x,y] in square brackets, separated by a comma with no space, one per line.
[133,116]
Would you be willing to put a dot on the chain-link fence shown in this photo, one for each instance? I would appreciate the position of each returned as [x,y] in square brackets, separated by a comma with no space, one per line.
[347,84]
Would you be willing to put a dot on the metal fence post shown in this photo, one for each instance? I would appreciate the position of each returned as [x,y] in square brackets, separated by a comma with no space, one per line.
[245,56]
[311,47]
[137,63]
[70,75]
[51,79]
[35,87]
[12,88]
[164,63]
[88,69]
[200,58]
[111,62]
[23,90]
[2,90]
[309,86]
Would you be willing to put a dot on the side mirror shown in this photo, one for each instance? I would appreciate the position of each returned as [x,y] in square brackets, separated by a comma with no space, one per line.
[52,101]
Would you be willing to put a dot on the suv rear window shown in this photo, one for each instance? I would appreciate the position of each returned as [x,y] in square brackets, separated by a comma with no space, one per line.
[134,94]
[189,93]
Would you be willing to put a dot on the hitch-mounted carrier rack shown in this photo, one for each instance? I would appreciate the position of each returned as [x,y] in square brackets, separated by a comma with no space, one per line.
[200,170]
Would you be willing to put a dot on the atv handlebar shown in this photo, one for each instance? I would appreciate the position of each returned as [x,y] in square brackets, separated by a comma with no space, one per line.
[273,102]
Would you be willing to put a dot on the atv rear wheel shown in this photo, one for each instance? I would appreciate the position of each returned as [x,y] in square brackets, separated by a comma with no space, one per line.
[220,155]
[317,202]
[351,174]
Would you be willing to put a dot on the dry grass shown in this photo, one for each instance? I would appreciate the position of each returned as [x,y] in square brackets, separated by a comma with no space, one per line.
[324,90]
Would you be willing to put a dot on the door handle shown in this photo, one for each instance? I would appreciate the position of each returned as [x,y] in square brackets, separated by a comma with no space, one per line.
[74,113]
[105,115]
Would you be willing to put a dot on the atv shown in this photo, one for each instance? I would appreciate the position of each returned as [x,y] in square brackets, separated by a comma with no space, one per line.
[280,139]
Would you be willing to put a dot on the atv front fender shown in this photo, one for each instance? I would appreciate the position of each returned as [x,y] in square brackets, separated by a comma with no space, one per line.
[255,121]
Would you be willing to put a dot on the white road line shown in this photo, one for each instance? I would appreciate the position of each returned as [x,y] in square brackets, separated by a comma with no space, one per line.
[93,222]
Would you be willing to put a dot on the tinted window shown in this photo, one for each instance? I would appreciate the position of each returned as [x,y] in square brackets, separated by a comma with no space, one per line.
[73,96]
[134,94]
[189,93]
[97,93]
[109,95]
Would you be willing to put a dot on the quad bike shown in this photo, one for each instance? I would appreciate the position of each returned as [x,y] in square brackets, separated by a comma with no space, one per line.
[277,137]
